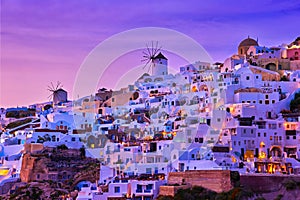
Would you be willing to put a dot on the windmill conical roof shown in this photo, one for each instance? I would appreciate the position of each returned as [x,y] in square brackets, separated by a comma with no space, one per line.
[160,56]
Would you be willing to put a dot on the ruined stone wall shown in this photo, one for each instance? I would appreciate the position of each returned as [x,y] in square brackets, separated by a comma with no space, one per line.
[168,190]
[216,180]
[27,167]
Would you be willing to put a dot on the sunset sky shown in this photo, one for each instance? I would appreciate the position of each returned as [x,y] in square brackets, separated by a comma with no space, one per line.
[47,41]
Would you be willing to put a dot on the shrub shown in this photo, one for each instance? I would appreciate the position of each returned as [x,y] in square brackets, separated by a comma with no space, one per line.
[62,147]
[290,185]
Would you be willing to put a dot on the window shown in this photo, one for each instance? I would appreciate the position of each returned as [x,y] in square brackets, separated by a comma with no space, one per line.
[258,134]
[271,137]
[247,78]
[244,130]
[239,143]
[267,96]
[287,137]
[149,187]
[260,101]
[234,143]
[267,102]
[244,141]
[294,137]
[280,138]
[265,134]
[273,101]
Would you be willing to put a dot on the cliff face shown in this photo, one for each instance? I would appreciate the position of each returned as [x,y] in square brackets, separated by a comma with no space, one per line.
[64,166]
[265,183]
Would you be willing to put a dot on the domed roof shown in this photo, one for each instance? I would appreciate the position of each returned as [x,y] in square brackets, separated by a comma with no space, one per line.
[248,42]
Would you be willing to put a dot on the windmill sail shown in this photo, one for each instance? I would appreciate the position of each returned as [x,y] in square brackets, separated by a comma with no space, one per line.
[149,55]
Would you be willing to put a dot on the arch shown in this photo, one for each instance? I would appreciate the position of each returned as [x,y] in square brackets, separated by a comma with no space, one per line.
[276,151]
[195,100]
[148,80]
[271,66]
[91,141]
[203,88]
[183,100]
[158,79]
[135,95]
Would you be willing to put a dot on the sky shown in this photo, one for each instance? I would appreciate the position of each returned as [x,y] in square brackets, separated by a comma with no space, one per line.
[47,41]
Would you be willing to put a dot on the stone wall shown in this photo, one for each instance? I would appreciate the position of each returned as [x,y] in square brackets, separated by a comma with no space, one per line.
[27,168]
[33,147]
[169,190]
[215,180]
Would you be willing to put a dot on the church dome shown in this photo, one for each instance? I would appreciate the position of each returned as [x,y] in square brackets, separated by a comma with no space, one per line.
[248,42]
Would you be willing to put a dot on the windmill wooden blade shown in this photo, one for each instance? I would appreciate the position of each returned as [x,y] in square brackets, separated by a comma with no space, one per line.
[149,68]
[145,59]
[146,54]
[146,64]
[157,50]
[50,96]
[50,89]
[52,86]
[149,52]
[152,48]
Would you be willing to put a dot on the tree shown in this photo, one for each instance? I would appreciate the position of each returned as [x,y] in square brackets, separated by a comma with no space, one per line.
[62,147]
[284,78]
[82,152]
[295,103]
